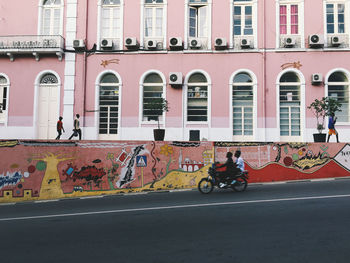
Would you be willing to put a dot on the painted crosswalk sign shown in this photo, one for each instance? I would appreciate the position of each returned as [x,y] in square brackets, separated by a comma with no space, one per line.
[141,161]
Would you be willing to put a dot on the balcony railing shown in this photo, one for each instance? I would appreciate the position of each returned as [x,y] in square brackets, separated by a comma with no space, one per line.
[35,45]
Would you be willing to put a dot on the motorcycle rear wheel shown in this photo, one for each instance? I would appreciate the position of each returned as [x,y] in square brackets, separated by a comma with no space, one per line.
[240,185]
[205,186]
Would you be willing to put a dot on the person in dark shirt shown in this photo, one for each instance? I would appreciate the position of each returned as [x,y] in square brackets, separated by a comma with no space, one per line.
[59,127]
[331,126]
[230,172]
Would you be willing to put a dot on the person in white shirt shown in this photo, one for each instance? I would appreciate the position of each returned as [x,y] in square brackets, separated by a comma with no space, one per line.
[239,160]
[239,163]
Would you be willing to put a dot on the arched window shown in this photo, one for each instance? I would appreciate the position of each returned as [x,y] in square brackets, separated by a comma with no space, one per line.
[109,104]
[49,79]
[52,17]
[197,98]
[338,88]
[111,22]
[242,104]
[4,85]
[290,101]
[153,89]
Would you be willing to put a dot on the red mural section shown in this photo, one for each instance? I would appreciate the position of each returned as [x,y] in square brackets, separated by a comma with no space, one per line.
[270,162]
[31,170]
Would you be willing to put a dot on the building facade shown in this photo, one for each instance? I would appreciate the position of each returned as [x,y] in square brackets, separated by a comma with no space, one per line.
[231,70]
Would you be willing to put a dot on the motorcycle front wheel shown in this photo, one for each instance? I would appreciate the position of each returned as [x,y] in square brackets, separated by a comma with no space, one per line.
[240,185]
[205,186]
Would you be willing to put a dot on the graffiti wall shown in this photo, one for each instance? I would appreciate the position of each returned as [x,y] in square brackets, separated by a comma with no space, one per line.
[31,170]
[269,162]
[35,170]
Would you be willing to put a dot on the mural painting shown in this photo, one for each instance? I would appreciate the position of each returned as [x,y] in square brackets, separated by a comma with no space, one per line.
[32,170]
[38,170]
[269,162]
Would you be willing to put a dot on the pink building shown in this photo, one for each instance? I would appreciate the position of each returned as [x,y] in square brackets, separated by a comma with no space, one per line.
[231,70]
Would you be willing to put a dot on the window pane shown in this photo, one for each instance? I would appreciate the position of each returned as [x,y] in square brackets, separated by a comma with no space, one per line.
[197,103]
[153,78]
[197,77]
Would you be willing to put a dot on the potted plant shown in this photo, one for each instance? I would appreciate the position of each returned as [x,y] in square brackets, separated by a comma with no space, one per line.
[157,106]
[321,109]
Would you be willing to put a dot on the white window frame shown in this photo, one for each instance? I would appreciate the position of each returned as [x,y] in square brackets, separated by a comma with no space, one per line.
[302,106]
[141,85]
[254,84]
[99,24]
[37,85]
[41,17]
[154,6]
[327,84]
[97,100]
[206,40]
[236,39]
[300,35]
[4,114]
[346,35]
[185,97]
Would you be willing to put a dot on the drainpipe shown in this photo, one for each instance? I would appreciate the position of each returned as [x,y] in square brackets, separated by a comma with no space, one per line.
[85,60]
[264,69]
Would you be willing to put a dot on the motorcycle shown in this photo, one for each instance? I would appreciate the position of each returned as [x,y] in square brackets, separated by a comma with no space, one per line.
[206,185]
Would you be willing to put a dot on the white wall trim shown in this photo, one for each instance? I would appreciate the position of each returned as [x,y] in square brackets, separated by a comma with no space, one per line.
[302,103]
[255,100]
[8,85]
[36,97]
[142,79]
[97,106]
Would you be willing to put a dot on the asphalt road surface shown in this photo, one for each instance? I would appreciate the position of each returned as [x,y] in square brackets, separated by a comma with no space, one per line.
[293,222]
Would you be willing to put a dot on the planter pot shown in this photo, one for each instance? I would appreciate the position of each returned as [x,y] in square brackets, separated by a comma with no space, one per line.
[159,134]
[320,137]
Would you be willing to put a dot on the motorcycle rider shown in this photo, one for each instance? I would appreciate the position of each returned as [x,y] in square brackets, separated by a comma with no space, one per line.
[239,163]
[231,169]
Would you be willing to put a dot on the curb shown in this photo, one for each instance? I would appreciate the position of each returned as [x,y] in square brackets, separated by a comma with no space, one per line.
[173,191]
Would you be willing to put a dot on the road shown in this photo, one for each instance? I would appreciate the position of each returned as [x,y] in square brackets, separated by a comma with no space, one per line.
[292,222]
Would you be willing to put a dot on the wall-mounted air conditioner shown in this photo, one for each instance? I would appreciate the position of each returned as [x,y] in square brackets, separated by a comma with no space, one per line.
[289,41]
[195,43]
[175,43]
[175,78]
[316,41]
[245,43]
[316,79]
[106,44]
[131,43]
[78,44]
[336,41]
[151,44]
[220,43]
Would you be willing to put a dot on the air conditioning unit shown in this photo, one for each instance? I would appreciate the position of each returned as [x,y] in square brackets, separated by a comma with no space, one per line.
[131,43]
[175,78]
[316,78]
[151,44]
[106,44]
[220,43]
[289,41]
[316,41]
[78,44]
[195,43]
[336,41]
[175,43]
[245,43]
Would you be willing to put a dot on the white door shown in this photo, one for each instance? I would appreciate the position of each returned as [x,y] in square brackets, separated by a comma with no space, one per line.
[48,111]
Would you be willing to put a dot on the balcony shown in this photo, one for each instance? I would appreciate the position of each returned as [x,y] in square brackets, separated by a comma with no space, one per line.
[12,46]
